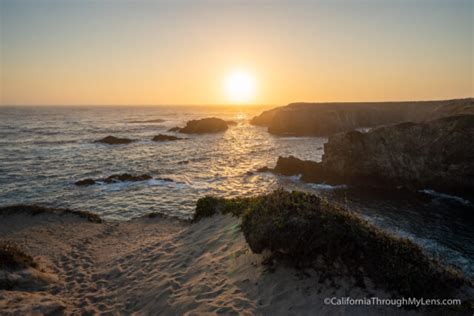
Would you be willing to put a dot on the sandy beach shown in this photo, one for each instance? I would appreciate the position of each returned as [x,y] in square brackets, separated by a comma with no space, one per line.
[161,265]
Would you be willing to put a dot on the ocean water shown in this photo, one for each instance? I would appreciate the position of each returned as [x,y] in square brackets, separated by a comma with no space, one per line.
[44,150]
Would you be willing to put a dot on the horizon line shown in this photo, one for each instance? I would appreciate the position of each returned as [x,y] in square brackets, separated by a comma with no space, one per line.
[238,105]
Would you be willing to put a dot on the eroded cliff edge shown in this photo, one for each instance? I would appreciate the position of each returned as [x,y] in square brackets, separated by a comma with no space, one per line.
[434,155]
[322,119]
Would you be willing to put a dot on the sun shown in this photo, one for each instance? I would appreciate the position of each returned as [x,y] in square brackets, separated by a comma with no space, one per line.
[240,86]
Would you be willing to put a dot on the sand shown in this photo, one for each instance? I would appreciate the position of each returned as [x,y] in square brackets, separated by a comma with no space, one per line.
[162,266]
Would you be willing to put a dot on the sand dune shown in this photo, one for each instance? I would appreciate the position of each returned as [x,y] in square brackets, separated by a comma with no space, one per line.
[162,266]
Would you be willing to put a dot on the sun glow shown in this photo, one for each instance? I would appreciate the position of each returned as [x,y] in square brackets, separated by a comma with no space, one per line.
[240,87]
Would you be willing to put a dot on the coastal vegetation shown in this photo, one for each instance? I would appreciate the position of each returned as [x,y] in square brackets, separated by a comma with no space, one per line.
[14,258]
[304,229]
[35,210]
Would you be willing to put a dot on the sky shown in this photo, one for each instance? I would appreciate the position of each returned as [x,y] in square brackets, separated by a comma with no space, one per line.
[105,52]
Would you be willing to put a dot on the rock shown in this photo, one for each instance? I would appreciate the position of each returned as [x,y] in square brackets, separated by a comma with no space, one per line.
[203,126]
[163,138]
[115,178]
[323,119]
[112,140]
[126,177]
[165,179]
[414,156]
[85,182]
[264,169]
[293,166]
[231,123]
[174,129]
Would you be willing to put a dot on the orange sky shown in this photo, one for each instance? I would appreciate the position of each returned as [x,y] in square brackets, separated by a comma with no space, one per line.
[163,52]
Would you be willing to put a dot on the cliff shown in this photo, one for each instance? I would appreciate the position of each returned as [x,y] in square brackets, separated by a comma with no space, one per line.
[437,154]
[322,119]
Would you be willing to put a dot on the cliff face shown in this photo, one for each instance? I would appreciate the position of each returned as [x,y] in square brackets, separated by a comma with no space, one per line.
[322,119]
[438,155]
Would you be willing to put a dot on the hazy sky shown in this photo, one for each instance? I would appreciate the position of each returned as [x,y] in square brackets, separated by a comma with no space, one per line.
[180,52]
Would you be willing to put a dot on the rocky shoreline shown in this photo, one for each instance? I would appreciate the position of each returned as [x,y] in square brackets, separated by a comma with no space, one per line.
[413,156]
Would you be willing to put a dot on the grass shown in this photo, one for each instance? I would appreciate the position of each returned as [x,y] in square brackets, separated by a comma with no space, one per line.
[39,210]
[13,258]
[209,205]
[304,227]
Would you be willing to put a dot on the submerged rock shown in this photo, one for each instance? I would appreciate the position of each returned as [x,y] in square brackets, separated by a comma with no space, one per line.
[433,155]
[205,125]
[112,140]
[322,119]
[115,178]
[163,138]
[126,177]
[85,182]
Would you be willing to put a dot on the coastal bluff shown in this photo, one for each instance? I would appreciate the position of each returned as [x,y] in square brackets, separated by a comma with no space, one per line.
[323,119]
[435,155]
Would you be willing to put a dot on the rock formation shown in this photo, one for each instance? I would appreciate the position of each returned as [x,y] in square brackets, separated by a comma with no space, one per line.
[164,138]
[112,140]
[115,178]
[204,126]
[437,155]
[323,119]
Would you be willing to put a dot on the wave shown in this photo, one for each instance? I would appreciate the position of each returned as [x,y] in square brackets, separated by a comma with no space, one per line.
[446,196]
[324,186]
[147,121]
[446,255]
[117,186]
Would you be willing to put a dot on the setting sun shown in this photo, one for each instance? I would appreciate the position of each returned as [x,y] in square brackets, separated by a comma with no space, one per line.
[240,86]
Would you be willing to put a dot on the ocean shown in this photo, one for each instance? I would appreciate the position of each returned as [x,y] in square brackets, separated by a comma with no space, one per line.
[45,150]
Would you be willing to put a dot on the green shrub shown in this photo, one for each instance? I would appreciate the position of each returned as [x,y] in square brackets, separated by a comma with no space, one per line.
[303,227]
[209,206]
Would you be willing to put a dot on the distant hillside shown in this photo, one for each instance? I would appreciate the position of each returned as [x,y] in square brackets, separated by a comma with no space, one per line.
[322,119]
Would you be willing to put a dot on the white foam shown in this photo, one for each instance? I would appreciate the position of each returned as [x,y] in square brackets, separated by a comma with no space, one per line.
[160,182]
[324,186]
[446,196]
